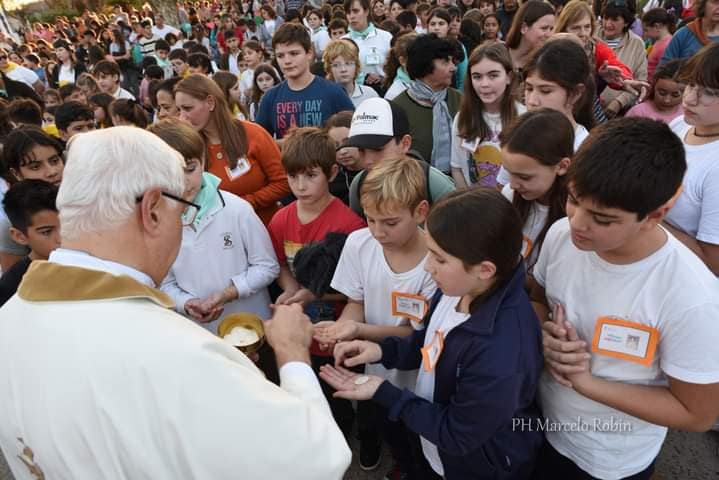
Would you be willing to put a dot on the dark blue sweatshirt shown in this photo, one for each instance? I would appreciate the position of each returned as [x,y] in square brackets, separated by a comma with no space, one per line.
[484,393]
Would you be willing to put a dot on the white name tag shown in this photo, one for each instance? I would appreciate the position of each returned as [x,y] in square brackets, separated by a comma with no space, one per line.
[243,166]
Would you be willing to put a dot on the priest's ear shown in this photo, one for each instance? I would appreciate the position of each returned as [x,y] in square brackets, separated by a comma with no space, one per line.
[19,237]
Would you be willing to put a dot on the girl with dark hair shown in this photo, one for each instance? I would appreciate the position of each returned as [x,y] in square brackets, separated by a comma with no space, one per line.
[558,76]
[100,104]
[67,69]
[242,154]
[265,78]
[664,101]
[658,25]
[487,105]
[28,154]
[491,26]
[124,111]
[253,54]
[532,25]
[479,356]
[536,151]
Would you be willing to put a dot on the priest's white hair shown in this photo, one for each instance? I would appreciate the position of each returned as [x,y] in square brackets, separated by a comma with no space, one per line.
[107,171]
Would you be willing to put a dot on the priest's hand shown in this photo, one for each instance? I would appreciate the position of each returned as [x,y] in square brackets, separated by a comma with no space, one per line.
[289,333]
[357,352]
[348,384]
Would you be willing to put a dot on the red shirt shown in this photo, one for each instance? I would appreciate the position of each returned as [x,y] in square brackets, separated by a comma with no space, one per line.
[289,235]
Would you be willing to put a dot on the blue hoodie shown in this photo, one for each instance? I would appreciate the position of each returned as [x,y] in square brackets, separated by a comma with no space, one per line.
[485,384]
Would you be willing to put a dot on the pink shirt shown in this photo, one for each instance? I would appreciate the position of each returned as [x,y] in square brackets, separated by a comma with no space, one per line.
[647,109]
[655,56]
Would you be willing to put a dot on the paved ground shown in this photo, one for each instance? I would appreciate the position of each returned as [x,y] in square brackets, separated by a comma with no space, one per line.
[685,456]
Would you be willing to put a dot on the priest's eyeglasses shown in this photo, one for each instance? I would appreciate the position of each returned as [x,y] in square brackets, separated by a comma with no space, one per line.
[190,212]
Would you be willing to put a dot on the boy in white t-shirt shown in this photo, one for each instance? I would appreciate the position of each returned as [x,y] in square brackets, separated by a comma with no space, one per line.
[381,271]
[636,353]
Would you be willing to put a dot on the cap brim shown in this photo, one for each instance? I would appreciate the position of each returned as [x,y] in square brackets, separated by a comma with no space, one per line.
[373,142]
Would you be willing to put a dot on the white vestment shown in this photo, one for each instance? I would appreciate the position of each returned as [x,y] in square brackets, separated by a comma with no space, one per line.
[100,379]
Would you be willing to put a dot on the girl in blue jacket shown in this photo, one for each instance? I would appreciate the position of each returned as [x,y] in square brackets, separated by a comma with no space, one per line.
[480,359]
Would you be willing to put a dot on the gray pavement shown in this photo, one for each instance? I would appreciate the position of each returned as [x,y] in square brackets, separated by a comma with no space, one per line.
[684,456]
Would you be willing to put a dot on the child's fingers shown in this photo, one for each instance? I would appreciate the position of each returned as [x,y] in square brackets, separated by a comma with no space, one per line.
[572,335]
[559,378]
[559,345]
[566,369]
[566,358]
[554,329]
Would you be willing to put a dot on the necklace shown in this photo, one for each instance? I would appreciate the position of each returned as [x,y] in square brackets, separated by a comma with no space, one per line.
[705,135]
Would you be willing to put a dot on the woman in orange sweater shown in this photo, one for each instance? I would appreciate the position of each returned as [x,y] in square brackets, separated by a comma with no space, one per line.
[241,154]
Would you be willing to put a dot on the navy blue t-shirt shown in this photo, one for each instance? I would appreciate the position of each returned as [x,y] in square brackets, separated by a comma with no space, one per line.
[282,108]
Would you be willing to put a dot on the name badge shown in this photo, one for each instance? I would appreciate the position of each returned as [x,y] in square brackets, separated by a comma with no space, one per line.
[470,146]
[243,166]
[373,58]
[625,340]
[409,305]
[527,246]
[432,352]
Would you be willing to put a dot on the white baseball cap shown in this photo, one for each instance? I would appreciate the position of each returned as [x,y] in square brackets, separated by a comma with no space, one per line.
[375,122]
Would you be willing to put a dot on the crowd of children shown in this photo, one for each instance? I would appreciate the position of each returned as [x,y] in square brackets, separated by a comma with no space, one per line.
[502,219]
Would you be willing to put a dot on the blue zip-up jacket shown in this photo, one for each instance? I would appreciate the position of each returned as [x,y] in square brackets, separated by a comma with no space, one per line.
[484,393]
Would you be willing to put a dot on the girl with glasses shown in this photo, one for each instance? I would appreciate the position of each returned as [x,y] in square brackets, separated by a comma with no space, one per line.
[694,219]
[342,65]
[226,260]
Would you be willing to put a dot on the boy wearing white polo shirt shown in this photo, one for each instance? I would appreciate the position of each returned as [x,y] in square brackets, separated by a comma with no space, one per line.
[636,353]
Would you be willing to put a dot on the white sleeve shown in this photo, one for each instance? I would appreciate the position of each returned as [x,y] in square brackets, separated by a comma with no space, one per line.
[458,158]
[348,278]
[30,77]
[172,288]
[539,271]
[708,230]
[262,266]
[687,342]
[224,408]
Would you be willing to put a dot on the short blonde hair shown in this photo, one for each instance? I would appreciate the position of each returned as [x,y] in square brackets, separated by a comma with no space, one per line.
[340,48]
[396,183]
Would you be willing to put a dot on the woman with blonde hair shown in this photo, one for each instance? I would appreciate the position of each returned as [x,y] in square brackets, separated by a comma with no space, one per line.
[242,154]
[342,65]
